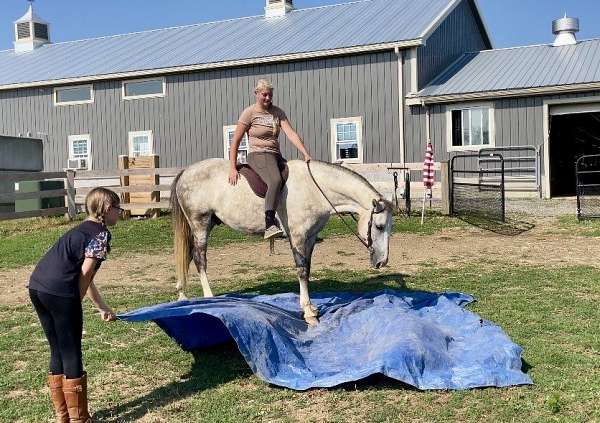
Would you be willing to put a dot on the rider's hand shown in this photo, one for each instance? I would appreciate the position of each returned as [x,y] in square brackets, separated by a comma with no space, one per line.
[234,175]
[307,157]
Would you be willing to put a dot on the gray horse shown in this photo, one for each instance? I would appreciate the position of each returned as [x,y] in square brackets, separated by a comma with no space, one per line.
[201,197]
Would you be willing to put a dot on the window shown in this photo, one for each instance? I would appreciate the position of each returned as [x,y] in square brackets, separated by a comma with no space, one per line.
[242,156]
[79,152]
[140,143]
[73,95]
[346,136]
[144,88]
[470,127]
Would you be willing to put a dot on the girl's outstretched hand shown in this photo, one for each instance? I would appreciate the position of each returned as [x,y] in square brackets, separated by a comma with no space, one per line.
[108,315]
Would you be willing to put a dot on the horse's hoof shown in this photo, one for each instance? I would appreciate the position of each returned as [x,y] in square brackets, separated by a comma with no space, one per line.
[312,321]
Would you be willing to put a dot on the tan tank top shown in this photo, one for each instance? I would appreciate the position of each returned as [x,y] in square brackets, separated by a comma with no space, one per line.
[263,128]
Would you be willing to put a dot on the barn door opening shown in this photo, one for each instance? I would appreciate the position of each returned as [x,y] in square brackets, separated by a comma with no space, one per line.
[572,135]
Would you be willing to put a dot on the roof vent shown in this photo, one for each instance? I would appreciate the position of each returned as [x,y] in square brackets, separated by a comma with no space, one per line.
[30,31]
[565,29]
[276,8]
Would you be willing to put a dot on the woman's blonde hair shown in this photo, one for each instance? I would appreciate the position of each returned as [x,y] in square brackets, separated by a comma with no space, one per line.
[263,85]
[98,201]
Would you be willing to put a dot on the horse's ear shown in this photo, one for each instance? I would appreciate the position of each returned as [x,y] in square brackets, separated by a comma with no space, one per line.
[378,205]
[387,204]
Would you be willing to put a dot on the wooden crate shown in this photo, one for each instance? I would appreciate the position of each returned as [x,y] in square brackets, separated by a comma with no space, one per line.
[142,162]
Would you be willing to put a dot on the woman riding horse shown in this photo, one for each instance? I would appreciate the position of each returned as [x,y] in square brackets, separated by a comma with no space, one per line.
[263,121]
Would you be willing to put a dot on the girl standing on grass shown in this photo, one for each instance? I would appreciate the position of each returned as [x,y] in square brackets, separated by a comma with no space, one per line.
[57,286]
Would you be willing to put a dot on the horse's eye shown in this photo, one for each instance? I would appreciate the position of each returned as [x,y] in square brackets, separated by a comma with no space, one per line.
[380,227]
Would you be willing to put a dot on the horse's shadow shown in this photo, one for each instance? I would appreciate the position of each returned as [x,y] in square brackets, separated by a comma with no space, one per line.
[395,281]
[223,363]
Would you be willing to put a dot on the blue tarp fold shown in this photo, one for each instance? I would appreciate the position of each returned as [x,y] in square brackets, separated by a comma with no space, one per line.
[427,340]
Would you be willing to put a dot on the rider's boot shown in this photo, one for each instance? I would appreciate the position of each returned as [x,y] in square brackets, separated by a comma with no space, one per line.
[272,229]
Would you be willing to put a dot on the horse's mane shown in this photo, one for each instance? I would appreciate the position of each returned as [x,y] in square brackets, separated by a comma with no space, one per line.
[348,172]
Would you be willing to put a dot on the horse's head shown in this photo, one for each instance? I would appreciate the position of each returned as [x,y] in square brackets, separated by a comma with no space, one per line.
[375,228]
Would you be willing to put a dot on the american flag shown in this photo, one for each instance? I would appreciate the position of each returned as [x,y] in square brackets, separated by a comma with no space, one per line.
[428,172]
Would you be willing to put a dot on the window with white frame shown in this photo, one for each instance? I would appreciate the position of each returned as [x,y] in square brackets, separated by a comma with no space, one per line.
[144,88]
[346,140]
[140,143]
[80,152]
[73,95]
[470,127]
[242,155]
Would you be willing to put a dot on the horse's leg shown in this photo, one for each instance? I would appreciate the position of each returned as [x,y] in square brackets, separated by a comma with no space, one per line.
[181,283]
[201,229]
[302,250]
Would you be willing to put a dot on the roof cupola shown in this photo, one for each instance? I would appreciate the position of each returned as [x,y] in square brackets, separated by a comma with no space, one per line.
[278,7]
[30,31]
[565,29]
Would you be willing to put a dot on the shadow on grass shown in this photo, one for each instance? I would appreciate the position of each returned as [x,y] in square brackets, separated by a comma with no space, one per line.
[212,367]
[511,227]
[375,283]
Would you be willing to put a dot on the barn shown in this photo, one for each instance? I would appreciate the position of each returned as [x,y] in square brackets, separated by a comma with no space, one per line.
[342,73]
[545,97]
[366,83]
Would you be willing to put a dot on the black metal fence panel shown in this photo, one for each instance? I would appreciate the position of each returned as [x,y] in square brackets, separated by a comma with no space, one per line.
[587,176]
[478,193]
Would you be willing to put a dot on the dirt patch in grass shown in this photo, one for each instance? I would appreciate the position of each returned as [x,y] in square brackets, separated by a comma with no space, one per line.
[409,254]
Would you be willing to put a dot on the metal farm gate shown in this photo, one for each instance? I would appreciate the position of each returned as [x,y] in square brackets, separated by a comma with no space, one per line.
[587,176]
[477,188]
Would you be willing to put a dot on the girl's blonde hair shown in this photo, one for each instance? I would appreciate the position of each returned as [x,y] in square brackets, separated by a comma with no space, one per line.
[263,85]
[98,201]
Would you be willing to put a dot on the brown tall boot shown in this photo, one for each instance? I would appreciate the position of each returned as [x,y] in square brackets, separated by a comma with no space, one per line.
[75,391]
[58,398]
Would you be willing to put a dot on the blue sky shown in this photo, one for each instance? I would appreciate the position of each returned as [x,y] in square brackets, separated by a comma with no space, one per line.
[511,22]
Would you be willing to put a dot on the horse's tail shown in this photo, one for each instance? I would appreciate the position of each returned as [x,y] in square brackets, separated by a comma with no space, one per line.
[182,239]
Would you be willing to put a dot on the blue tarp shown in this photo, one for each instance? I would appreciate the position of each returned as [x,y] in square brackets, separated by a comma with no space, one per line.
[427,340]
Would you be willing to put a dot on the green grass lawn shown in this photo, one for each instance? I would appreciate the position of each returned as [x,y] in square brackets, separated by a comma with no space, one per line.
[23,242]
[137,372]
[587,227]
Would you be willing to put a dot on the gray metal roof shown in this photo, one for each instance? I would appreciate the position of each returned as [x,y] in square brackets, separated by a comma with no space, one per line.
[518,68]
[361,23]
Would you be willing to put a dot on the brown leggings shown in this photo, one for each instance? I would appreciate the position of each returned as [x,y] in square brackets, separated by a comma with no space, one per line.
[269,167]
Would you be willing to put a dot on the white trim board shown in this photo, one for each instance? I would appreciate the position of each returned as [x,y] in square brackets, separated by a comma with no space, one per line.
[573,108]
[560,105]
[485,95]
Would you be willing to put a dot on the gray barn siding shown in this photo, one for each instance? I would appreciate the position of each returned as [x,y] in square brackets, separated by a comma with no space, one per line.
[188,122]
[518,122]
[460,32]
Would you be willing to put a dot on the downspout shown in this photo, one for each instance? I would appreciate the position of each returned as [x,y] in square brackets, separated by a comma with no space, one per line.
[400,61]
[427,122]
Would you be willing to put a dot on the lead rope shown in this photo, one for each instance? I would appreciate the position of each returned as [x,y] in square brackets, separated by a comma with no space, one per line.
[338,213]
